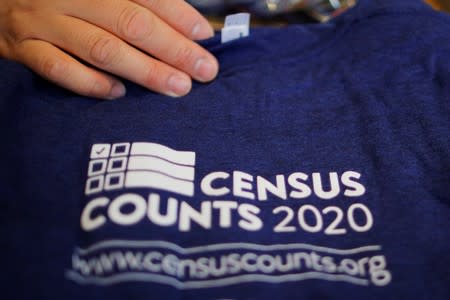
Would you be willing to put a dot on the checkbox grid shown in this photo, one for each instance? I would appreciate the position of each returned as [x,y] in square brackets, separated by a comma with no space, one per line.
[107,166]
[140,165]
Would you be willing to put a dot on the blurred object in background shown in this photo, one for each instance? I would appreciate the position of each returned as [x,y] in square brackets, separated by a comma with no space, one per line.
[443,5]
[319,10]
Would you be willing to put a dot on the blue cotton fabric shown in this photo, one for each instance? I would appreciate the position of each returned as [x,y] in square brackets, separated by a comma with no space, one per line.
[329,149]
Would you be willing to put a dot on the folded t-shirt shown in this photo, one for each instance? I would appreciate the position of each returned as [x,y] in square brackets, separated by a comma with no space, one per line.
[316,166]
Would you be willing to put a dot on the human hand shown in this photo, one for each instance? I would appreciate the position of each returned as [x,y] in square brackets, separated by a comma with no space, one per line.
[146,41]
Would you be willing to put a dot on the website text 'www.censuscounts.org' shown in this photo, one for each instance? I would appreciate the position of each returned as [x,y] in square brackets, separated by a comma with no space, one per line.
[219,268]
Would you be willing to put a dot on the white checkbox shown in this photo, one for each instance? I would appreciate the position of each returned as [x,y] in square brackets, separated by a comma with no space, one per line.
[94,185]
[117,164]
[100,151]
[120,149]
[97,167]
[114,181]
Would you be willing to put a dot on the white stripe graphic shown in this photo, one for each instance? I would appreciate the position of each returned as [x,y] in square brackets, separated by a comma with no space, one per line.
[219,247]
[147,179]
[134,276]
[152,149]
[149,163]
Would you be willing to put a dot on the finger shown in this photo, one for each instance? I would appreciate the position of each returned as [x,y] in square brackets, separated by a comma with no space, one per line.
[107,52]
[181,16]
[143,29]
[62,69]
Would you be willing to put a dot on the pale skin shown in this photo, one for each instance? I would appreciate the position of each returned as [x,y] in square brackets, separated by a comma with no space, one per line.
[149,42]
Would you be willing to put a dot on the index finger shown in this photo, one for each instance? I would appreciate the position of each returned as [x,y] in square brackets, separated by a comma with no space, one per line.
[144,29]
[181,16]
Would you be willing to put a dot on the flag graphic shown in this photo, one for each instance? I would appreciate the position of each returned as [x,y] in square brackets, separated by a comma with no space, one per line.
[140,165]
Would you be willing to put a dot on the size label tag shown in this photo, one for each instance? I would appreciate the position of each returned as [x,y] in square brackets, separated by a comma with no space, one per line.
[236,26]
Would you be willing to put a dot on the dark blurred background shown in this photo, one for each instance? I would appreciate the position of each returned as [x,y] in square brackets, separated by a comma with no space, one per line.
[281,12]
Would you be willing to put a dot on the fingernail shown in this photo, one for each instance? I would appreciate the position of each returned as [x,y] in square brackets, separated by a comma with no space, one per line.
[178,86]
[202,31]
[205,69]
[118,90]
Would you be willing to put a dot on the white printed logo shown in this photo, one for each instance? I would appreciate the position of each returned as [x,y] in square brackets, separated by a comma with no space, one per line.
[140,165]
[337,205]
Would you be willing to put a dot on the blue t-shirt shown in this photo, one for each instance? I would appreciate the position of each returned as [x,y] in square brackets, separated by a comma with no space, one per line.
[316,166]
